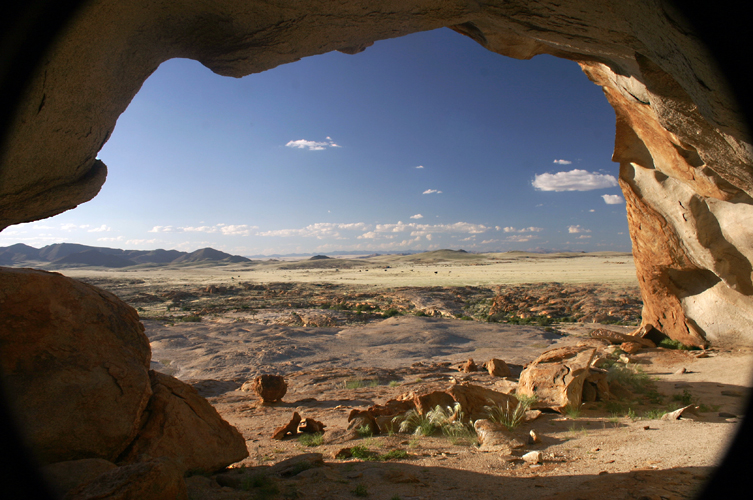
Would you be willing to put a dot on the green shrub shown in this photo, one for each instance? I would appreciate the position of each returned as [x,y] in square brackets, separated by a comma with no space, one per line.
[511,416]
[361,491]
[669,343]
[390,313]
[316,439]
[191,318]
[685,398]
[263,486]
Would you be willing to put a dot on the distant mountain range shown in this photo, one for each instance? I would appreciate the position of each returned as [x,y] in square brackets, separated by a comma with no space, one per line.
[74,255]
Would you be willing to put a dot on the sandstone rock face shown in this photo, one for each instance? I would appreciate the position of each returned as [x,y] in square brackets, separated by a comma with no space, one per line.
[556,377]
[181,425]
[473,399]
[75,362]
[685,157]
[63,477]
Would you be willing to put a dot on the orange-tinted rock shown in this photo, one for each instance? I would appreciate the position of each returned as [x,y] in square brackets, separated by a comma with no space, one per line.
[270,388]
[427,402]
[182,425]
[311,426]
[392,407]
[75,365]
[556,377]
[473,398]
[631,347]
[469,366]
[360,419]
[63,477]
[497,368]
[291,428]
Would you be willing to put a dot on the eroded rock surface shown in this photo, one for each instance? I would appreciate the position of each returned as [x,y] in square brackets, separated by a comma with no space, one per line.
[74,361]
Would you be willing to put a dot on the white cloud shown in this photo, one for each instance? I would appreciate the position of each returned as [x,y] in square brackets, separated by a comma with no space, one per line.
[118,238]
[510,229]
[521,238]
[417,216]
[577,229]
[592,210]
[574,180]
[224,229]
[613,199]
[583,237]
[486,242]
[562,162]
[100,229]
[312,145]
[141,242]
[319,230]
[68,227]
[431,191]
[420,166]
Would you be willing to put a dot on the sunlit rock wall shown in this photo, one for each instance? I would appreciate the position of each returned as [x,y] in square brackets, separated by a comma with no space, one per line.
[682,145]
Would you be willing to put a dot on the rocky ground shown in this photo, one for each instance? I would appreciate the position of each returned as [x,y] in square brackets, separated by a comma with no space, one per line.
[344,347]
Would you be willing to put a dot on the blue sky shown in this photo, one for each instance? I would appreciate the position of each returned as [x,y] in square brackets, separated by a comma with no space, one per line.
[422,142]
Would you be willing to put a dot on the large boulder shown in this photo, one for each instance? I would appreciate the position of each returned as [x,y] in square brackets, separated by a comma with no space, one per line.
[75,362]
[556,377]
[180,424]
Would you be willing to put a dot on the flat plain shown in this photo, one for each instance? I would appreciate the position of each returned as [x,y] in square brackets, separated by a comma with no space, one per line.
[349,333]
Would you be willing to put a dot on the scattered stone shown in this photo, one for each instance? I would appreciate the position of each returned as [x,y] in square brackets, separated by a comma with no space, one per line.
[295,465]
[494,436]
[681,371]
[533,437]
[725,414]
[675,415]
[533,457]
[497,368]
[597,379]
[631,347]
[290,428]
[683,385]
[556,377]
[393,407]
[468,367]
[310,426]
[359,419]
[182,425]
[624,359]
[619,338]
[342,454]
[270,388]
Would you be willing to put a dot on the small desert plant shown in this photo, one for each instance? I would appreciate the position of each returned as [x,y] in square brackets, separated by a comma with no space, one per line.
[316,439]
[685,398]
[669,343]
[364,431]
[393,383]
[361,491]
[361,452]
[191,318]
[633,378]
[390,313]
[417,424]
[571,412]
[359,383]
[264,486]
[654,414]
[510,415]
[394,455]
[450,421]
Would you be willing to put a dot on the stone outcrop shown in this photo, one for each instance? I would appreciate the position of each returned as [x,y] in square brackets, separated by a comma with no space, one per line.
[685,157]
[497,368]
[180,424]
[74,361]
[556,377]
[76,371]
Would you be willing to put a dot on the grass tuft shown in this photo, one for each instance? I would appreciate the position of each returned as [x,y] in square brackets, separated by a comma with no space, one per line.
[511,416]
[316,439]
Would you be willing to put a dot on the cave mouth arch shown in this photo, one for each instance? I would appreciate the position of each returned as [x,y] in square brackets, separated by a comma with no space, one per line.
[689,102]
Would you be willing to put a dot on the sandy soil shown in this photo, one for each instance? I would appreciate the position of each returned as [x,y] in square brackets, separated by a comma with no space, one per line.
[362,360]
